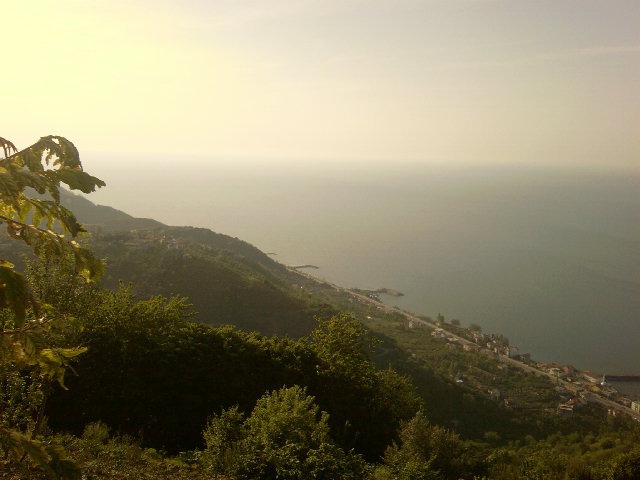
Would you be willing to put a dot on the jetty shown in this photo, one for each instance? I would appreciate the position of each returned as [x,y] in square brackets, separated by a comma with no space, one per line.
[623,378]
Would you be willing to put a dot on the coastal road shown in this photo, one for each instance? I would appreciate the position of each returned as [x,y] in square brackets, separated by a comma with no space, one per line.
[605,402]
[593,397]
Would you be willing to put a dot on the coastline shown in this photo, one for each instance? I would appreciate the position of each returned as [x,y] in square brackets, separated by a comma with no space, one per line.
[467,339]
[374,295]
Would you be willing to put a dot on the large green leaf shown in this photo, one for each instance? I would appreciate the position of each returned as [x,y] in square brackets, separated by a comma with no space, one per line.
[30,182]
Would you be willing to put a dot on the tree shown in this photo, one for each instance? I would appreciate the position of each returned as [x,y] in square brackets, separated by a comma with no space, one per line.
[627,466]
[285,437]
[366,404]
[343,347]
[145,372]
[30,182]
[474,327]
[425,452]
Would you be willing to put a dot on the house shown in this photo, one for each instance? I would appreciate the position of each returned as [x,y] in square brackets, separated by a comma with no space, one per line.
[565,410]
[576,402]
[555,371]
[513,352]
[624,401]
[573,388]
[438,333]
[494,395]
[477,337]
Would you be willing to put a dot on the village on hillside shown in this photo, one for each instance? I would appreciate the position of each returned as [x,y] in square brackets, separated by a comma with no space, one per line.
[576,388]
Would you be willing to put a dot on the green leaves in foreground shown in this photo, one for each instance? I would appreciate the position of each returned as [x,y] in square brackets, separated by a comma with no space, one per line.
[49,457]
[43,225]
[13,291]
[30,182]
[39,222]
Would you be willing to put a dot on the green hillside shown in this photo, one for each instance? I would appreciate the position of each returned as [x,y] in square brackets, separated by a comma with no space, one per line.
[102,217]
[227,280]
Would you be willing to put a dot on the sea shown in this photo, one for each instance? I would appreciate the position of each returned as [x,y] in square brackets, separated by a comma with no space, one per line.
[546,255]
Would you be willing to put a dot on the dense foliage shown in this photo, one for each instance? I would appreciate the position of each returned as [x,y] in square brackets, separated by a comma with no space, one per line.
[425,451]
[30,182]
[223,286]
[285,437]
[152,373]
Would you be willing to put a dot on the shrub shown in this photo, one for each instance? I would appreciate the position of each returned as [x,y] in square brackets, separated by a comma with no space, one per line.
[285,437]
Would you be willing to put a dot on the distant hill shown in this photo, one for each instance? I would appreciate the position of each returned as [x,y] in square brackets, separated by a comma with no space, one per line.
[227,280]
[107,218]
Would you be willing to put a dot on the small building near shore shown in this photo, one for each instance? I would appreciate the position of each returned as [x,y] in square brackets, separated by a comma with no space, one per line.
[555,371]
[512,352]
[565,410]
[437,332]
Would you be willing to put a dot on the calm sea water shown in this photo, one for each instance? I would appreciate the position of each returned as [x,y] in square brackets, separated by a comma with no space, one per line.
[549,257]
[631,389]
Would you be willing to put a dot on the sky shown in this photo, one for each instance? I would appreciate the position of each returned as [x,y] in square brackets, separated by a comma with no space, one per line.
[460,81]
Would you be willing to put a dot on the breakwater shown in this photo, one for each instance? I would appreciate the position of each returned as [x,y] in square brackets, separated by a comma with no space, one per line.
[623,378]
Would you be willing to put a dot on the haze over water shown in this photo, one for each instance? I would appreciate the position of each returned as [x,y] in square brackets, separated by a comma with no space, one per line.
[548,256]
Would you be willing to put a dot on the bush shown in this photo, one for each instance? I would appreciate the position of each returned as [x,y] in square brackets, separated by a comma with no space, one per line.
[425,452]
[285,437]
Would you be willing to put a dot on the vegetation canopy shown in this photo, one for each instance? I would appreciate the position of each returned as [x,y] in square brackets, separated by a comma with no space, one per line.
[30,183]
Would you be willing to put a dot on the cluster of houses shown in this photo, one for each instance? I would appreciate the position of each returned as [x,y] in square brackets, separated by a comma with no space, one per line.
[145,240]
[481,342]
[584,385]
[577,389]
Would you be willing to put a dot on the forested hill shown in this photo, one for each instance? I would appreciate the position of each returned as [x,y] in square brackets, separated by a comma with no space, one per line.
[106,218]
[227,280]
[102,219]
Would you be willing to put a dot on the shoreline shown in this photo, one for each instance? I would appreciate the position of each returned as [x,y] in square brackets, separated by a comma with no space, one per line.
[583,378]
[374,294]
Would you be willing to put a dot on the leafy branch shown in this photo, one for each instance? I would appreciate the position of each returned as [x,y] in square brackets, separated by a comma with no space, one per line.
[42,168]
[30,182]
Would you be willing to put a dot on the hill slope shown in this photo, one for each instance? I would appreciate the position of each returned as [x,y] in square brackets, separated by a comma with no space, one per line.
[228,281]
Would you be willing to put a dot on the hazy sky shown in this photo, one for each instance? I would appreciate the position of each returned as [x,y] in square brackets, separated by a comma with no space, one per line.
[425,80]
